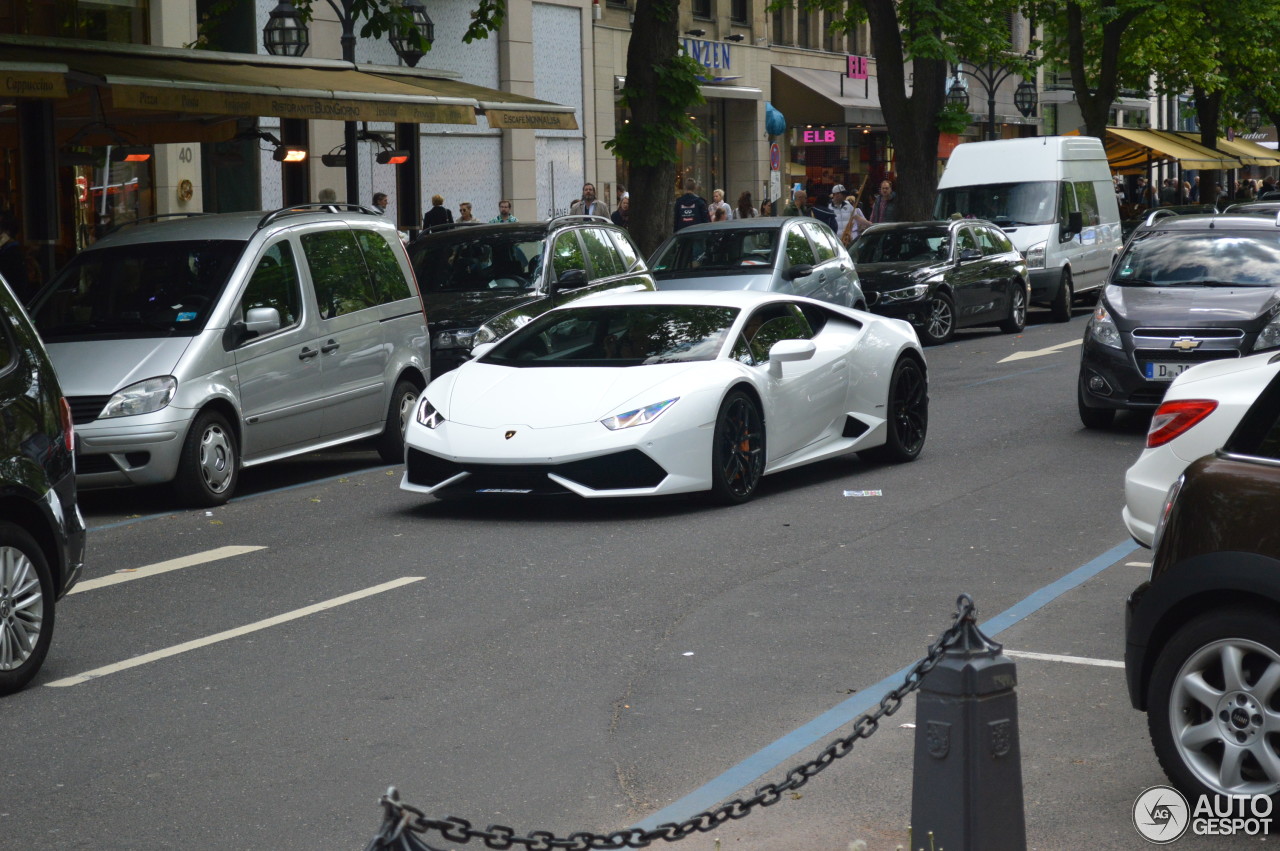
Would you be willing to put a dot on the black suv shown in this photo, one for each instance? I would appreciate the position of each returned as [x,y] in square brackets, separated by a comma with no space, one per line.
[41,531]
[1202,653]
[479,282]
[1186,290]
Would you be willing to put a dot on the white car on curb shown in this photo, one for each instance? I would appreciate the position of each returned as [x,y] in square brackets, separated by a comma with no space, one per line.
[1200,410]
[643,394]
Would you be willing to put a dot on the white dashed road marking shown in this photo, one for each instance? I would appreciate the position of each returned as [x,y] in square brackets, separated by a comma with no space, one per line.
[147,658]
[1074,660]
[1035,353]
[162,567]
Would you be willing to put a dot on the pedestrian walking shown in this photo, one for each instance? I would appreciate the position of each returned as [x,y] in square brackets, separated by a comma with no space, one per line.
[798,205]
[328,196]
[745,210]
[883,208]
[718,209]
[13,263]
[588,205]
[766,208]
[380,202]
[849,219]
[622,216]
[439,214]
[464,212]
[504,213]
[691,208]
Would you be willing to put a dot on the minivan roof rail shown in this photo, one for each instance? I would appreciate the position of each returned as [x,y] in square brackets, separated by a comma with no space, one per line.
[157,217]
[316,207]
[572,218]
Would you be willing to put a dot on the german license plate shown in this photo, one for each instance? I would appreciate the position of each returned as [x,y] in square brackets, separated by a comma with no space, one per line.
[1157,371]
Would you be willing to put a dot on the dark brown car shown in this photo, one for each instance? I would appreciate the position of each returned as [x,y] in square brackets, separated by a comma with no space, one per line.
[1203,635]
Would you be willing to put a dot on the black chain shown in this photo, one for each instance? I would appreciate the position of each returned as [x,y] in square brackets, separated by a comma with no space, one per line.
[402,822]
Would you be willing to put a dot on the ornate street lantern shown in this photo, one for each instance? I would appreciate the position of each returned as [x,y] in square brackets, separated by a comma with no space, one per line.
[1253,120]
[285,33]
[404,40]
[1024,98]
[958,95]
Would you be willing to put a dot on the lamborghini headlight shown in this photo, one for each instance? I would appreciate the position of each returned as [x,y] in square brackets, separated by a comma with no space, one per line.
[640,416]
[427,414]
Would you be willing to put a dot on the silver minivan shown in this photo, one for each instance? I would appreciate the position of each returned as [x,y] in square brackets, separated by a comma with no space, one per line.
[192,347]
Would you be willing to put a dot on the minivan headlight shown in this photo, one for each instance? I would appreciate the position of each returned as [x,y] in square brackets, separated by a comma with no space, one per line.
[1269,337]
[1103,328]
[145,397]
[1035,255]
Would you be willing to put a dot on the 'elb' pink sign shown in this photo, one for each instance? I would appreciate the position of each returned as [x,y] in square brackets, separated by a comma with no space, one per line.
[819,137]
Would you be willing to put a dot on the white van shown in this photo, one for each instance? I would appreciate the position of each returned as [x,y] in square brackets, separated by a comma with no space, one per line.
[1053,196]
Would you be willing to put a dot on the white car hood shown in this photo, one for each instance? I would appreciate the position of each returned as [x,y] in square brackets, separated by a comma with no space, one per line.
[489,396]
[101,367]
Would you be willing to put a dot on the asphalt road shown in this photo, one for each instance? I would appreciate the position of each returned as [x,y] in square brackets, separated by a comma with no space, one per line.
[254,676]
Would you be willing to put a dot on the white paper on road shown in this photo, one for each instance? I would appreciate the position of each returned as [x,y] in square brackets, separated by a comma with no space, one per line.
[162,567]
[147,658]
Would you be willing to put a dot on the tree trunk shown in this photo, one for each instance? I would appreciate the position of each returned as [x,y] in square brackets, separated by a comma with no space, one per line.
[912,121]
[655,41]
[1208,114]
[1095,103]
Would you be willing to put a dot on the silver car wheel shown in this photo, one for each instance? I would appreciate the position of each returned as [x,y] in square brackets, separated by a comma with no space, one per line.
[940,318]
[216,458]
[1221,731]
[21,608]
[407,403]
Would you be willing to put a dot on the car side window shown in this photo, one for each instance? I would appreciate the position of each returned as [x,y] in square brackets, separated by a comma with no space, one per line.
[274,283]
[1258,433]
[986,238]
[601,253]
[1066,203]
[388,280]
[772,323]
[1087,199]
[821,246]
[1001,240]
[626,249]
[567,254]
[338,272]
[965,240]
[798,248]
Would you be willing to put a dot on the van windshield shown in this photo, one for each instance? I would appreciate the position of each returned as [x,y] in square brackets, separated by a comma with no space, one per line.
[141,290]
[1006,204]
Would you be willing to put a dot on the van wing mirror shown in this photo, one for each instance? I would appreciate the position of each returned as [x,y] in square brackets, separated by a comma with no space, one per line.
[262,320]
[1075,223]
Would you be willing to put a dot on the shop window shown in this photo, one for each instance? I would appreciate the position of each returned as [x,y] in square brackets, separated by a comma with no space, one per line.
[702,9]
[617,4]
[740,11]
[122,21]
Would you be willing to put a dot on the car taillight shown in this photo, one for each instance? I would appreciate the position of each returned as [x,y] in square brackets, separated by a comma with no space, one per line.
[1172,419]
[68,428]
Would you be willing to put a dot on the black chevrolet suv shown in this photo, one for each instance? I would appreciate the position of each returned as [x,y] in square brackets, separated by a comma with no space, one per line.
[478,282]
[1186,290]
[42,534]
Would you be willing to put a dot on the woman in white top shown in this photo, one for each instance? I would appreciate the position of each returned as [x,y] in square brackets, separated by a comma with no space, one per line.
[719,210]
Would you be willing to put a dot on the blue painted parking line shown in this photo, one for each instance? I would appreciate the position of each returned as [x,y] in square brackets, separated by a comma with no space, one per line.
[772,755]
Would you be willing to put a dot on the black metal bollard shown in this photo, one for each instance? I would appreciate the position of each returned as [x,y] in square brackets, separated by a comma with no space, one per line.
[967,785]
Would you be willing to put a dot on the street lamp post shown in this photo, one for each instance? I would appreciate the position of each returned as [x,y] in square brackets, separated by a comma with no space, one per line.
[991,75]
[286,35]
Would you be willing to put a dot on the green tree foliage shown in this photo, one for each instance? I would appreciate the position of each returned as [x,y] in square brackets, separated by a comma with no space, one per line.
[932,35]
[1101,45]
[662,83]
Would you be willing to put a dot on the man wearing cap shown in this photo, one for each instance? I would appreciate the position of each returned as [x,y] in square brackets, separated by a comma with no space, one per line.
[849,219]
